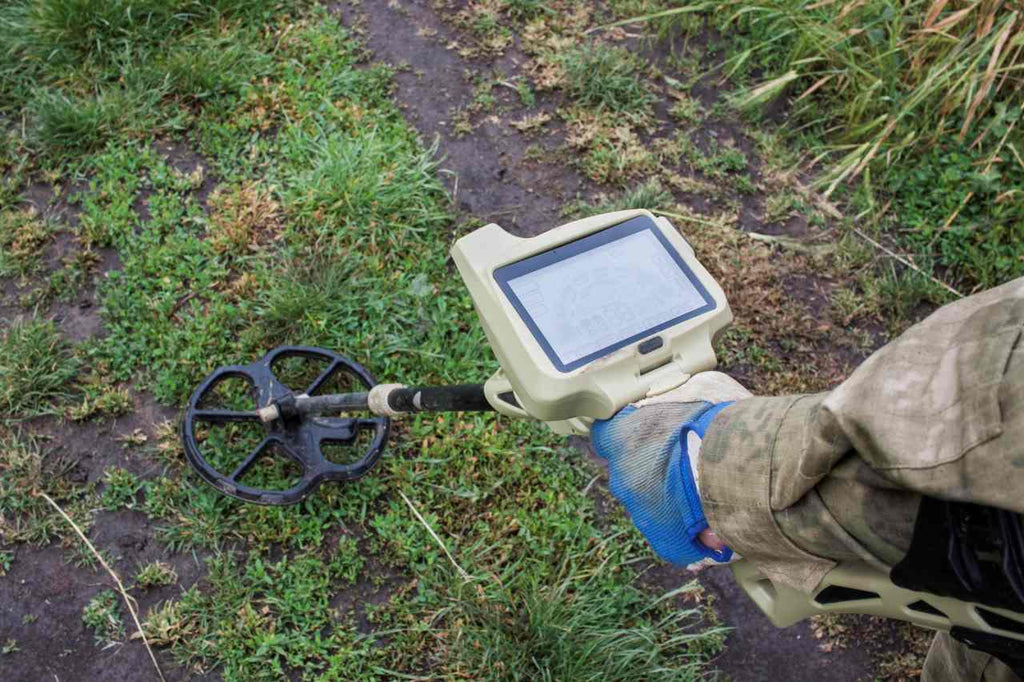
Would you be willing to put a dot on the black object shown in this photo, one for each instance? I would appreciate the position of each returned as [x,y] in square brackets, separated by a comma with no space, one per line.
[300,437]
[972,553]
[650,345]
[834,594]
[1007,650]
[459,398]
[288,407]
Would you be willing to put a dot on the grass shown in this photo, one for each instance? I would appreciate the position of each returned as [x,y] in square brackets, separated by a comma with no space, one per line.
[609,78]
[27,469]
[120,489]
[574,626]
[910,110]
[22,237]
[651,195]
[102,615]
[328,226]
[156,574]
[87,72]
[37,366]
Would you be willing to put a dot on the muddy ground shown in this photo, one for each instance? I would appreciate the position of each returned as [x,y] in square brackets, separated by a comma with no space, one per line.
[491,178]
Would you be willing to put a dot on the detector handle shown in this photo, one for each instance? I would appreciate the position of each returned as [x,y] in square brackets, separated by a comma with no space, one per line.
[503,399]
[860,588]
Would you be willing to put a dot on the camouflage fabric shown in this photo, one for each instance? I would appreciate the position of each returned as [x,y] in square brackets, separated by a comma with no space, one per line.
[798,482]
[950,661]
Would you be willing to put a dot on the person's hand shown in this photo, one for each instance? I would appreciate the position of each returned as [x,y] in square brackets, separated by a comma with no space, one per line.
[652,448]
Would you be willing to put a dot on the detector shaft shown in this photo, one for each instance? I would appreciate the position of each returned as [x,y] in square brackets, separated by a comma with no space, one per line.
[383,399]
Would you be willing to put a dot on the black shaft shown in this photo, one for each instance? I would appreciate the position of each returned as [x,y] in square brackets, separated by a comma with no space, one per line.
[336,402]
[459,398]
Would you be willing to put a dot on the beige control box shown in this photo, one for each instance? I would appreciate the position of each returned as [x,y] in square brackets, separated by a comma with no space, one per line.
[590,316]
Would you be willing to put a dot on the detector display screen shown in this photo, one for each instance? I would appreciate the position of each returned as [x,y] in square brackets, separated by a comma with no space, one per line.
[586,299]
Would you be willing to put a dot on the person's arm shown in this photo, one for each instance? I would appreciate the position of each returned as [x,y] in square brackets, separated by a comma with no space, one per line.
[796,483]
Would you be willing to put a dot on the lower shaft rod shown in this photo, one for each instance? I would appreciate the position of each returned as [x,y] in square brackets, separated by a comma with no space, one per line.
[384,399]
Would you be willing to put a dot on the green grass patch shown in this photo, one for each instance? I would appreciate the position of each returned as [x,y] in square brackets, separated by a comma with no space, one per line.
[87,71]
[27,469]
[23,235]
[649,195]
[608,78]
[577,624]
[102,615]
[911,110]
[37,366]
[156,574]
[120,489]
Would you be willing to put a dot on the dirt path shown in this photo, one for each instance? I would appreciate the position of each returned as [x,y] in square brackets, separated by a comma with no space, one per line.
[492,181]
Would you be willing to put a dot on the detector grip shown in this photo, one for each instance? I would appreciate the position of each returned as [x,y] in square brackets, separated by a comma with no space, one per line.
[859,588]
[502,397]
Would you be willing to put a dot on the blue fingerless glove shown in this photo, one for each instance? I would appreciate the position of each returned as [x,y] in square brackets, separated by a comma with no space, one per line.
[650,474]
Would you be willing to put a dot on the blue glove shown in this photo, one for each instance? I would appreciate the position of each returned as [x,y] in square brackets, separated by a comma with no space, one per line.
[653,473]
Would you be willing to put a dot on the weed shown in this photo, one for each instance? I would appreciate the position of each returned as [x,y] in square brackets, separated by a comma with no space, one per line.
[156,574]
[22,237]
[525,9]
[606,78]
[898,294]
[483,20]
[530,124]
[102,615]
[100,398]
[953,207]
[25,472]
[612,151]
[37,366]
[10,646]
[461,122]
[6,561]
[242,219]
[782,205]
[232,620]
[483,93]
[651,195]
[120,489]
[569,626]
[83,557]
[913,99]
[721,159]
[850,305]
[525,92]
[686,109]
[68,281]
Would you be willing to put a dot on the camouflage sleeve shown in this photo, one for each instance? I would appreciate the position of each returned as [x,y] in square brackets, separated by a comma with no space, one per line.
[799,482]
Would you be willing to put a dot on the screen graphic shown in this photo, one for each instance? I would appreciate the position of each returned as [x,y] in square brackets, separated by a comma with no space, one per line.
[602,295]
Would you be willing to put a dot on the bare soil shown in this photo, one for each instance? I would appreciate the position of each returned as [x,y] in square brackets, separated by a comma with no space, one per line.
[42,598]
